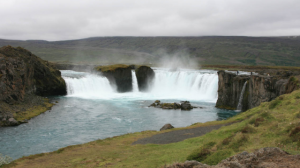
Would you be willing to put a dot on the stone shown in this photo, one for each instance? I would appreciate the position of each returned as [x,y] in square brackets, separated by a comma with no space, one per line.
[12,122]
[166,126]
[185,105]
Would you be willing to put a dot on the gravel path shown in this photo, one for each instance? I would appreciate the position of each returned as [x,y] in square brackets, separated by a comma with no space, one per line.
[177,136]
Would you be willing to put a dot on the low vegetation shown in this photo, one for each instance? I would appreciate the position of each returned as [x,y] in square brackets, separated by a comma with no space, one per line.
[256,128]
[111,67]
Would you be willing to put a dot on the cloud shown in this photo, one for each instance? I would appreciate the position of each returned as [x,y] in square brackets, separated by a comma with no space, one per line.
[67,19]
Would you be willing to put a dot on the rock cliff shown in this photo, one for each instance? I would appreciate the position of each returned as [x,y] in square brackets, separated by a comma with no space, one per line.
[118,75]
[259,88]
[145,76]
[23,74]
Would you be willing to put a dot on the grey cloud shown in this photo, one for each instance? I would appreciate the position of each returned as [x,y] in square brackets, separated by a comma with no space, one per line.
[67,19]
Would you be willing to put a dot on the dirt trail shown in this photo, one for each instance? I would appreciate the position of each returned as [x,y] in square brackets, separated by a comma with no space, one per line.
[178,135]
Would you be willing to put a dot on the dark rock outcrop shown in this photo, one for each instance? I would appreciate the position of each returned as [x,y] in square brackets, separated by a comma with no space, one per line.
[118,75]
[185,105]
[166,126]
[229,89]
[23,74]
[259,88]
[145,76]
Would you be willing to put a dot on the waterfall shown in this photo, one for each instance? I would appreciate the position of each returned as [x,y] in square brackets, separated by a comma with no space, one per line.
[240,105]
[135,87]
[185,84]
[86,85]
[180,85]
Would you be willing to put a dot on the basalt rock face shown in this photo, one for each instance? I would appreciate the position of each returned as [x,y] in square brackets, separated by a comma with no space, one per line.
[259,88]
[120,76]
[22,72]
[145,76]
[229,89]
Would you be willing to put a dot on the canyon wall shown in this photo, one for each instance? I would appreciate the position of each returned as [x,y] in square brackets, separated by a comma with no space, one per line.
[259,88]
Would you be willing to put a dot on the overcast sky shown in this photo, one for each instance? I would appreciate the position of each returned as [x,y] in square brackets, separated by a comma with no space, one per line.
[74,19]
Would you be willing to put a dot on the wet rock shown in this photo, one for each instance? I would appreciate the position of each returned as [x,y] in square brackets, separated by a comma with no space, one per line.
[12,122]
[145,76]
[166,126]
[185,105]
[118,75]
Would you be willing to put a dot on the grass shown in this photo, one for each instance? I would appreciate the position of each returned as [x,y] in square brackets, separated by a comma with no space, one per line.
[111,67]
[33,111]
[278,127]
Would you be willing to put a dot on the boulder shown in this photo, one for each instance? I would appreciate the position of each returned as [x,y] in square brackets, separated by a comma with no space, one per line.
[145,76]
[264,157]
[166,126]
[185,105]
[12,122]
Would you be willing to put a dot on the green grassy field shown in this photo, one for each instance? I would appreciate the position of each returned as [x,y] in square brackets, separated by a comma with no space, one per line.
[272,124]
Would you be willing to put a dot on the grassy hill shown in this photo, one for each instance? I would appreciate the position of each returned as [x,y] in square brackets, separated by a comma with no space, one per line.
[238,50]
[272,124]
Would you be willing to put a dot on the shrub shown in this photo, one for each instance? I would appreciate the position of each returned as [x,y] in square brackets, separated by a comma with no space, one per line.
[202,153]
[238,141]
[5,159]
[218,156]
[258,121]
[295,134]
[248,129]
[274,103]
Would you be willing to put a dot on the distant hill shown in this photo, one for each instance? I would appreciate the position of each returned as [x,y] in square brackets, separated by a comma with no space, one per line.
[236,50]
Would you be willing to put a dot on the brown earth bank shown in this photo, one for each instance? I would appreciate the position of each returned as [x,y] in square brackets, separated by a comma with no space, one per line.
[262,158]
[25,77]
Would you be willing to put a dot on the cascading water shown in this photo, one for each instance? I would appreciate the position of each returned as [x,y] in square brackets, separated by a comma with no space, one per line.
[86,85]
[240,105]
[185,84]
[135,87]
[181,85]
